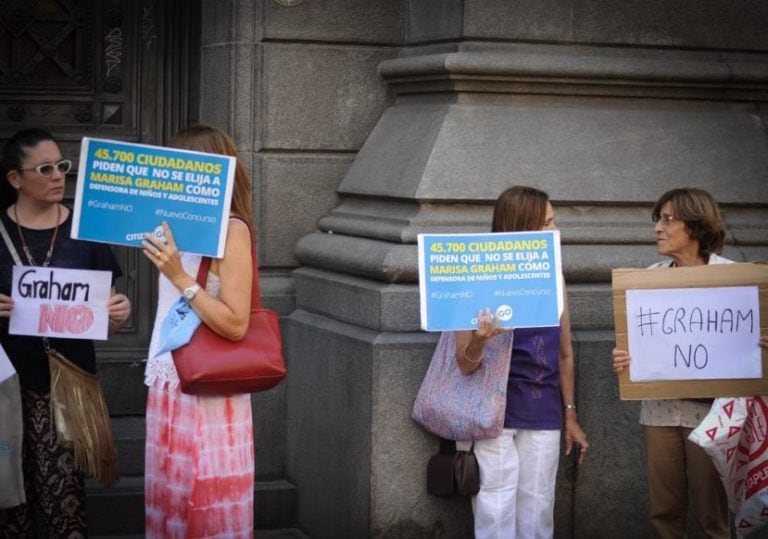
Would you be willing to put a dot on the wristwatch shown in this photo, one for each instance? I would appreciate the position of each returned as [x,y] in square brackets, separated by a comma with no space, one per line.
[191,291]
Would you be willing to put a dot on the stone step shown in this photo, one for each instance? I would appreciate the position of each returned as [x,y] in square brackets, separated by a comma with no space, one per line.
[129,432]
[285,533]
[123,384]
[119,510]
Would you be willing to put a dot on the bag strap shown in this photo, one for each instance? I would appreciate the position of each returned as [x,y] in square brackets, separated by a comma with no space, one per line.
[9,244]
[17,260]
[447,447]
[205,265]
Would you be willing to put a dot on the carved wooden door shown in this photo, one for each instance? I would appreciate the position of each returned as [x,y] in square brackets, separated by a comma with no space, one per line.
[117,69]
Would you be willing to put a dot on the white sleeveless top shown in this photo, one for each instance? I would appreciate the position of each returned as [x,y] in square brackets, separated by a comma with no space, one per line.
[160,368]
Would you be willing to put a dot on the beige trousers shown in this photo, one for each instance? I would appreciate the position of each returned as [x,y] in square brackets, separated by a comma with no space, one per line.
[678,470]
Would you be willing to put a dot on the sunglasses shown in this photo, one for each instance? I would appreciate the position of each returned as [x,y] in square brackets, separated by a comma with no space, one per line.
[48,169]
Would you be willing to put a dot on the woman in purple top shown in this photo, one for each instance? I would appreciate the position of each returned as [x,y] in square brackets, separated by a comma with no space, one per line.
[518,469]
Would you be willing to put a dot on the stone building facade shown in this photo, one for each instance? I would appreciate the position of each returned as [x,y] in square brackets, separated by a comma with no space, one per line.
[375,121]
[367,122]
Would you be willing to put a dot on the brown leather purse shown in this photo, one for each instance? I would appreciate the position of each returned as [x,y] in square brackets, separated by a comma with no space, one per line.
[453,472]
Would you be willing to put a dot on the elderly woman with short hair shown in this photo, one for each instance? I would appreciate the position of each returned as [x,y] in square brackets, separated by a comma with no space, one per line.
[690,230]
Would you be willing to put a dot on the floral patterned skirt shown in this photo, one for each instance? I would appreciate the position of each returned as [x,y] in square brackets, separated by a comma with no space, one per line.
[55,490]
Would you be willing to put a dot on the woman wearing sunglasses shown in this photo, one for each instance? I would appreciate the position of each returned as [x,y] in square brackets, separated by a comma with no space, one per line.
[38,225]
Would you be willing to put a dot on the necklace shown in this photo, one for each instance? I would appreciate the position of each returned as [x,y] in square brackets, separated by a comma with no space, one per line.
[25,248]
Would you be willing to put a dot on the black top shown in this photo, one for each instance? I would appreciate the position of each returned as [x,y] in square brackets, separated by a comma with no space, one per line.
[27,353]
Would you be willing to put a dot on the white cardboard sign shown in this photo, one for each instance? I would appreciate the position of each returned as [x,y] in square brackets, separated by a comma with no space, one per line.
[58,302]
[694,333]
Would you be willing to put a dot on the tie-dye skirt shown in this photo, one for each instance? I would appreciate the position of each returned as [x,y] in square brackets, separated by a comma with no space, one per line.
[199,474]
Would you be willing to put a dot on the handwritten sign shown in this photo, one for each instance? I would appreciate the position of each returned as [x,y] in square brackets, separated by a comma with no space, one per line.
[58,302]
[516,274]
[126,190]
[694,333]
[715,276]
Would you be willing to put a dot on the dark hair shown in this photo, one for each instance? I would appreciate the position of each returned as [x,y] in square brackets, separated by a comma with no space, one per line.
[13,155]
[520,208]
[701,215]
[204,138]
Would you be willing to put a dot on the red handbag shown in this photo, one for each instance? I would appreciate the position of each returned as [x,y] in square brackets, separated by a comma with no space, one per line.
[212,365]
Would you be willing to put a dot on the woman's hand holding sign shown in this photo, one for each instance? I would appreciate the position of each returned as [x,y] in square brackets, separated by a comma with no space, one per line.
[620,360]
[164,254]
[470,345]
[6,303]
[119,307]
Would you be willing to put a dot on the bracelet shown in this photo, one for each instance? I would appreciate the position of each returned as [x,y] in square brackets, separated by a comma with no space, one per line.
[466,357]
[570,407]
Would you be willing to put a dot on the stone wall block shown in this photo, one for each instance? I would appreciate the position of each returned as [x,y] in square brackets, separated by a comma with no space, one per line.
[294,192]
[321,97]
[352,21]
[590,306]
[329,424]
[229,84]
[717,24]
[269,433]
[362,302]
[401,507]
[544,20]
[277,292]
[612,477]
[231,21]
[123,386]
[434,20]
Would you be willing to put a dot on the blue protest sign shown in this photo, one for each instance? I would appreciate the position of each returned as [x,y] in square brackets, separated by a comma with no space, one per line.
[515,274]
[126,190]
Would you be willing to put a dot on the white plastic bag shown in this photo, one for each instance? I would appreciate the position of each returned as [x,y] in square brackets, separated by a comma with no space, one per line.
[11,432]
[735,434]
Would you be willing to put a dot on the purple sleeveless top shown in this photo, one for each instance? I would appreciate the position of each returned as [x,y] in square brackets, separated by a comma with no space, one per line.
[533,390]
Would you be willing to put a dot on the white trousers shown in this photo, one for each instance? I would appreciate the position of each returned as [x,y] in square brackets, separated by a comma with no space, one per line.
[517,484]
